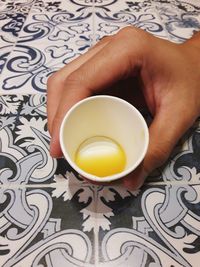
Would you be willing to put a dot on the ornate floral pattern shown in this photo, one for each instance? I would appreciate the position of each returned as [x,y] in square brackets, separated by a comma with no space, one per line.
[38,195]
[12,18]
[49,216]
[181,18]
[56,32]
[140,14]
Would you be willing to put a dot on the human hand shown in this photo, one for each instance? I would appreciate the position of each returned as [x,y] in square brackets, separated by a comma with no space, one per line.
[169,77]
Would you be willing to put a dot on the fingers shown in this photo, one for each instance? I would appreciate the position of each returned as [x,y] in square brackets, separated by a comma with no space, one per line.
[166,129]
[126,54]
[102,66]
[56,82]
[56,88]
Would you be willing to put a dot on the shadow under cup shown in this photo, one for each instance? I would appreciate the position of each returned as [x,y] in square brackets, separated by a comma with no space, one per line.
[110,117]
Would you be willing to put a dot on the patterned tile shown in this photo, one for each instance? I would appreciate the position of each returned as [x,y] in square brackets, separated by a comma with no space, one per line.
[156,228]
[63,5]
[24,140]
[180,18]
[39,227]
[157,224]
[26,146]
[28,67]
[48,215]
[12,17]
[46,42]
[111,16]
[100,226]
[63,26]
[183,164]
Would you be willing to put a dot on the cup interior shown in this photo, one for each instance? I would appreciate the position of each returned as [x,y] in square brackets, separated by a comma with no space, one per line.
[106,116]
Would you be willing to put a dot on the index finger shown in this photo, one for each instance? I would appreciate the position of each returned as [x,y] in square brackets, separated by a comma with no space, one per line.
[56,82]
[119,59]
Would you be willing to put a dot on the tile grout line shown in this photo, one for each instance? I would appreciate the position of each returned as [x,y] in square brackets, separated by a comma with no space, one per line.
[172,183]
[93,25]
[96,232]
[16,39]
[52,185]
[96,240]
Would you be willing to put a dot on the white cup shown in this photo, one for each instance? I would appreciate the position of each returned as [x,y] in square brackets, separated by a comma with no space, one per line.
[106,116]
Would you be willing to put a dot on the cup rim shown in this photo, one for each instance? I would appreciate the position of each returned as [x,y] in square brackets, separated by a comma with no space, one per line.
[114,176]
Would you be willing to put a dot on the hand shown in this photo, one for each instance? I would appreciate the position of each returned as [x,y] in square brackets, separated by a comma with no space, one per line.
[169,78]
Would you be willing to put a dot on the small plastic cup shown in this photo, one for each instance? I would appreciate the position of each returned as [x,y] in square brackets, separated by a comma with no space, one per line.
[107,116]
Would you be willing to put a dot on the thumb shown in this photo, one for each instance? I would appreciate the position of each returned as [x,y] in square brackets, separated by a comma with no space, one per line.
[164,132]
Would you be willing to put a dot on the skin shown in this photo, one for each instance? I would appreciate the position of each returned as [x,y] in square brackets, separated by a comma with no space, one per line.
[149,72]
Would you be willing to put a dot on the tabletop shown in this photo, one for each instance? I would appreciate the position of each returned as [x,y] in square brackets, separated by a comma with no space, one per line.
[48,215]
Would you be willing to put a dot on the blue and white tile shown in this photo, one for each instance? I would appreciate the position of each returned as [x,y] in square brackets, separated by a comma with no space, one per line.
[183,164]
[12,17]
[58,21]
[109,18]
[61,29]
[25,141]
[46,43]
[48,215]
[56,26]
[25,146]
[28,67]
[38,226]
[18,6]
[158,227]
[100,226]
[74,6]
[54,212]
[180,18]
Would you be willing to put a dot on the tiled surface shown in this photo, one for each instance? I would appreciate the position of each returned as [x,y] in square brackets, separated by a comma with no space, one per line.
[48,215]
[108,19]
[50,36]
[180,18]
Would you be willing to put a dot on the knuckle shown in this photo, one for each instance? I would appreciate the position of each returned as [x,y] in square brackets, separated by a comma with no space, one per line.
[75,78]
[52,79]
[137,38]
[106,38]
[129,30]
[77,81]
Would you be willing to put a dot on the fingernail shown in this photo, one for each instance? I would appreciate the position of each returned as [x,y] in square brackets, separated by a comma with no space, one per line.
[54,149]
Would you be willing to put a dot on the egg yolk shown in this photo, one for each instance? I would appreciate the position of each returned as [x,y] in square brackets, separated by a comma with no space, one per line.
[100,156]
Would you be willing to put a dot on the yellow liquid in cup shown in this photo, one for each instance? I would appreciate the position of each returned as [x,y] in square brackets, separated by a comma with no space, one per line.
[100,156]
